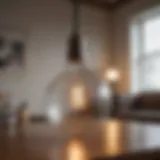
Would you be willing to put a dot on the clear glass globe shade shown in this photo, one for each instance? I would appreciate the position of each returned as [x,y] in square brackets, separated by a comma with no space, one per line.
[76,93]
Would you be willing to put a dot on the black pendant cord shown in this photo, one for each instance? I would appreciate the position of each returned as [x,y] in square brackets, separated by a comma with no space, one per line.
[76,19]
[74,54]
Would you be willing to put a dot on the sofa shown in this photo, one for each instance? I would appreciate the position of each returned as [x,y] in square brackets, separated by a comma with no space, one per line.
[142,106]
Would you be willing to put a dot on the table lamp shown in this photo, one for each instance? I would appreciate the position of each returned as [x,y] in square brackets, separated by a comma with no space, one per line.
[112,75]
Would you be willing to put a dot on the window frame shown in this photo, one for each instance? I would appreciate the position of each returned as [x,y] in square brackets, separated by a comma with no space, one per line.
[137,54]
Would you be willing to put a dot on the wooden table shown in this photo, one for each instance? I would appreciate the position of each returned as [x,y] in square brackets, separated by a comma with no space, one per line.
[83,139]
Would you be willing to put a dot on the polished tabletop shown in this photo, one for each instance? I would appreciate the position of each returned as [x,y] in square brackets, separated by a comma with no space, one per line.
[80,139]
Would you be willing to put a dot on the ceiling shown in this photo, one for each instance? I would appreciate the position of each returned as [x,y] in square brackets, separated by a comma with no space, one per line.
[110,4]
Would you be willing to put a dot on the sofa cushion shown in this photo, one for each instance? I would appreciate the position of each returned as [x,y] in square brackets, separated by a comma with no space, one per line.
[147,101]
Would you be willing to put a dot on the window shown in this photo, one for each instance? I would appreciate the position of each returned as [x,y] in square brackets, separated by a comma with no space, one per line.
[145,52]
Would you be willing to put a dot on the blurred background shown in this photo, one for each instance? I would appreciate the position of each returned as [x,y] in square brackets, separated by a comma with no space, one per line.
[77,66]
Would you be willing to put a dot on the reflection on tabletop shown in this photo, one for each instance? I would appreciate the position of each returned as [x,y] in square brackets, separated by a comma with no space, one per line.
[105,138]
[90,139]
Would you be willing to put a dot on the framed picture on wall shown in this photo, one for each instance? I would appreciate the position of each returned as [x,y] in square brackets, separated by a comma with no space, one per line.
[12,48]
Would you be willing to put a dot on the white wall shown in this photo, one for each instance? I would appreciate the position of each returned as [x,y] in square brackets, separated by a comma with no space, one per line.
[46,25]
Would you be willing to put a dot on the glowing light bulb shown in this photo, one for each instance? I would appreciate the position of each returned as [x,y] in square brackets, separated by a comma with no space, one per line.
[112,75]
[78,97]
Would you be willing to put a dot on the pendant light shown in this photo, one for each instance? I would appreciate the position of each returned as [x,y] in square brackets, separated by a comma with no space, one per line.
[74,53]
[76,92]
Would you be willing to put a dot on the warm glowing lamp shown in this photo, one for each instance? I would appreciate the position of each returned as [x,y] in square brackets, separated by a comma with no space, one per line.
[112,75]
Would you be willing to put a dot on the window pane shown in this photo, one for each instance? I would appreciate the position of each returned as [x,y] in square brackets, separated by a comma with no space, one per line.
[152,35]
[150,74]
